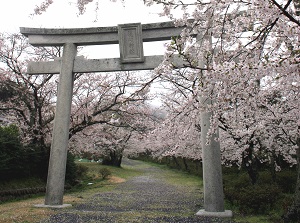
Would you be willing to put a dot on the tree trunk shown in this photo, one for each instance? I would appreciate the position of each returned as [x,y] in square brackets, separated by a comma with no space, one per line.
[250,164]
[176,162]
[115,159]
[185,165]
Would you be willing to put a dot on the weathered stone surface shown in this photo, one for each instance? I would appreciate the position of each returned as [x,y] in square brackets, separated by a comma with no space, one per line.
[50,67]
[211,161]
[52,206]
[131,43]
[82,65]
[60,139]
[96,35]
[223,214]
[78,39]
[91,30]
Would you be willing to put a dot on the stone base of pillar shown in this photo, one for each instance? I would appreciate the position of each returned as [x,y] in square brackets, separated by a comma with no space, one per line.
[52,206]
[224,214]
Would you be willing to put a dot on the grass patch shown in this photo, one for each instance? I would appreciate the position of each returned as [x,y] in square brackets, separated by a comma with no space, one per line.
[24,211]
[92,182]
[182,178]
[252,219]
[177,177]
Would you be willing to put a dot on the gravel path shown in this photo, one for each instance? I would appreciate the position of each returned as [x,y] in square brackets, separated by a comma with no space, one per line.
[145,198]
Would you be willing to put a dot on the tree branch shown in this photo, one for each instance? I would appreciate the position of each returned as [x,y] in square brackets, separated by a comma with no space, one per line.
[284,12]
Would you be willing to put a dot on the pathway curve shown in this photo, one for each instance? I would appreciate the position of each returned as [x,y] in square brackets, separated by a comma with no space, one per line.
[146,198]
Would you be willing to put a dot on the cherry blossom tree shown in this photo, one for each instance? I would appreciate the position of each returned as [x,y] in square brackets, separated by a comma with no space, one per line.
[249,69]
[176,133]
[251,74]
[111,99]
[30,101]
[106,113]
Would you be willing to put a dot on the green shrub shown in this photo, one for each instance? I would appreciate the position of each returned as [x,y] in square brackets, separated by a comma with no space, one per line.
[71,170]
[11,153]
[36,160]
[104,172]
[286,179]
[292,215]
[236,180]
[81,170]
[254,199]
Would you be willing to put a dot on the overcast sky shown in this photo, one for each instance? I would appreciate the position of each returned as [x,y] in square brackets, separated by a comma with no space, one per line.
[64,14]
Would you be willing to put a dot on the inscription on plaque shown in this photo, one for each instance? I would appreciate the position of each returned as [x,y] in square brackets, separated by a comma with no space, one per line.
[131,43]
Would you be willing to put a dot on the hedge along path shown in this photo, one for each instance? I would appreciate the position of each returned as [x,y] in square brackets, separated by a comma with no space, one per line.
[157,194]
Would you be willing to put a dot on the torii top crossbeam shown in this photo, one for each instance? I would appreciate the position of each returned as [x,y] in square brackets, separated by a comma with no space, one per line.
[96,35]
[130,38]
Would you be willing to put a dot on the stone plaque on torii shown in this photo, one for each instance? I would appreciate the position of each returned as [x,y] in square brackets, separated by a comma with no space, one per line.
[130,38]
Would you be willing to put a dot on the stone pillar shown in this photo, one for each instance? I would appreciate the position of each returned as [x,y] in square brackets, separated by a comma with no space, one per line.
[212,169]
[212,172]
[59,146]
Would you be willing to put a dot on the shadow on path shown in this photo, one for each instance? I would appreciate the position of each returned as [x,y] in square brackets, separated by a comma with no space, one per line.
[148,197]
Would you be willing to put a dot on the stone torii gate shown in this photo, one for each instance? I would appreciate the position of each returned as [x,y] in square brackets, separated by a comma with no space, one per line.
[130,38]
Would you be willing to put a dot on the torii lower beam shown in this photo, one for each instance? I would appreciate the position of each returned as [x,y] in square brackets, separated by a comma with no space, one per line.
[82,65]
